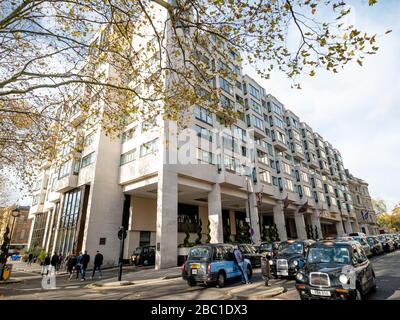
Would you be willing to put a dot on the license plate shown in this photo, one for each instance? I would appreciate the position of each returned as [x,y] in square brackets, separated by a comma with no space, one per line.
[321,293]
[195,266]
[194,271]
[282,273]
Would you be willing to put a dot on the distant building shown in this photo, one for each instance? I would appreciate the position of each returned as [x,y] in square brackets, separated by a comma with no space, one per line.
[20,232]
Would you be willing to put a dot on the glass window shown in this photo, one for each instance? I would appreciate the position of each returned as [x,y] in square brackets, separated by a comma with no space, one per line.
[258,123]
[149,148]
[254,92]
[128,157]
[65,169]
[128,135]
[87,160]
[265,176]
[203,114]
[225,85]
[89,139]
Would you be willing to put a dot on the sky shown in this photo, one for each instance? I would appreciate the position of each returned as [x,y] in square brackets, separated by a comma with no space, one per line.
[357,110]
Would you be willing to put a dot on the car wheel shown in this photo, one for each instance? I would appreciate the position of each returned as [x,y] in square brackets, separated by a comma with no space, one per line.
[373,288]
[221,280]
[303,297]
[191,283]
[249,272]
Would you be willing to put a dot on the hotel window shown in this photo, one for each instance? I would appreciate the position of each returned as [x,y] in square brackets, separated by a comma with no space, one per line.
[275,181]
[230,143]
[128,135]
[321,197]
[38,229]
[205,156]
[149,148]
[298,148]
[35,200]
[281,137]
[89,139]
[262,157]
[333,201]
[258,123]
[265,176]
[144,238]
[254,92]
[296,135]
[272,164]
[203,114]
[240,133]
[225,85]
[149,124]
[127,157]
[87,160]
[270,149]
[286,168]
[256,107]
[304,176]
[307,191]
[65,169]
[288,184]
[226,103]
[277,109]
[278,122]
[231,163]
[203,132]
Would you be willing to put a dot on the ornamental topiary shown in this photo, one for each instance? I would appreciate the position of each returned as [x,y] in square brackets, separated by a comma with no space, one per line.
[198,232]
[208,239]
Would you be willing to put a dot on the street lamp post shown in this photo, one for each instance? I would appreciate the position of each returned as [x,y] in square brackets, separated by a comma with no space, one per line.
[15,213]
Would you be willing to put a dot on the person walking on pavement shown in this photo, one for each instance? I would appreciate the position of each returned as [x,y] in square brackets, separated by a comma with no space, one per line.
[71,264]
[98,262]
[78,266]
[85,261]
[53,263]
[239,260]
[30,258]
[59,262]
[46,263]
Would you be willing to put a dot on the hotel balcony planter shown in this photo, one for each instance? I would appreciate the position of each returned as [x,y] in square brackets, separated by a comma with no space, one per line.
[38,208]
[313,164]
[67,183]
[54,196]
[297,155]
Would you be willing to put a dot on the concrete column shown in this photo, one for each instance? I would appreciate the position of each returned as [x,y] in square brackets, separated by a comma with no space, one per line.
[279,220]
[300,225]
[215,214]
[315,221]
[347,224]
[254,218]
[232,219]
[167,218]
[339,228]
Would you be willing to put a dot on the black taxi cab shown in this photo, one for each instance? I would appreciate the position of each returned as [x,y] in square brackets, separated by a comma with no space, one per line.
[286,260]
[335,270]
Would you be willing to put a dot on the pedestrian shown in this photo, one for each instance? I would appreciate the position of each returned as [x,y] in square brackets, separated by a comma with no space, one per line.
[59,262]
[239,260]
[78,264]
[98,262]
[71,264]
[53,263]
[45,266]
[85,261]
[30,258]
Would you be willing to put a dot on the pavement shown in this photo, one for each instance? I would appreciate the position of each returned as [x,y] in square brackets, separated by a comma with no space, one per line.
[150,284]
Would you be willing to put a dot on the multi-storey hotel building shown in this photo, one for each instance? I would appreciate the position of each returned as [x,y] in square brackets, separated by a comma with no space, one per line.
[268,170]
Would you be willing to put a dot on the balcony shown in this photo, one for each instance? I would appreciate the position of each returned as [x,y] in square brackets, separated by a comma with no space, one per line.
[298,155]
[54,196]
[279,145]
[77,117]
[66,183]
[38,208]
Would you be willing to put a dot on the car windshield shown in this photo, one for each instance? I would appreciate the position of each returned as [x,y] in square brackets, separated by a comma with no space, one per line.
[290,247]
[360,240]
[340,255]
[199,253]
[382,238]
[371,241]
[137,251]
[266,247]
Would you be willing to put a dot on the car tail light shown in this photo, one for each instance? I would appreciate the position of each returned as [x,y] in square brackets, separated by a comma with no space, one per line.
[209,268]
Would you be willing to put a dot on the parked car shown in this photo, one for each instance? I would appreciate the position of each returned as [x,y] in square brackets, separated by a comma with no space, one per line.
[364,243]
[268,247]
[335,270]
[251,253]
[357,234]
[286,260]
[145,255]
[376,245]
[212,263]
[387,243]
[395,239]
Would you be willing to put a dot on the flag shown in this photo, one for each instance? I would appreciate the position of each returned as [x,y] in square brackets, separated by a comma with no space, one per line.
[365,214]
[304,207]
[286,202]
